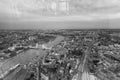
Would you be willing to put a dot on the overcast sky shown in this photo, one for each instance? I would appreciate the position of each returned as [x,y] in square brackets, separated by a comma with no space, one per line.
[25,14]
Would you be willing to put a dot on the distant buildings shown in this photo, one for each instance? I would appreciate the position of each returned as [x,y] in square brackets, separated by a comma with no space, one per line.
[44,46]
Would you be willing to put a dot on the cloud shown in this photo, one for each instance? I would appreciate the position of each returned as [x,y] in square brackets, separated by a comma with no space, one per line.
[32,10]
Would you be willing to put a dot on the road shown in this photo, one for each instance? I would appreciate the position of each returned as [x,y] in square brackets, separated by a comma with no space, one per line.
[25,58]
[83,73]
[82,65]
[87,76]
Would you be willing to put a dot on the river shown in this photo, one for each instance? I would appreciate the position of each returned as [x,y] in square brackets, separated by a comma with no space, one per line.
[26,57]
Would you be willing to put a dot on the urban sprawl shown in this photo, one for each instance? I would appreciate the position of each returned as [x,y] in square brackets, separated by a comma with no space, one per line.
[66,54]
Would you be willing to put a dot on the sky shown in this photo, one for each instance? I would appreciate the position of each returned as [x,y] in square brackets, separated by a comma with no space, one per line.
[27,14]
